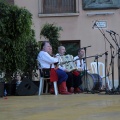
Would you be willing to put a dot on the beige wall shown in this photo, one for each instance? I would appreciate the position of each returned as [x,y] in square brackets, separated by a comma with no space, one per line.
[79,28]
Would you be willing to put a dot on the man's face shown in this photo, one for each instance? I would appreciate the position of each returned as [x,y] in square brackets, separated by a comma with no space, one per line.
[18,77]
[50,51]
[47,48]
[62,50]
[81,53]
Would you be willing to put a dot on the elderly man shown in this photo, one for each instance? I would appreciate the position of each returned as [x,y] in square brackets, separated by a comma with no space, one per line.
[73,81]
[79,61]
[47,61]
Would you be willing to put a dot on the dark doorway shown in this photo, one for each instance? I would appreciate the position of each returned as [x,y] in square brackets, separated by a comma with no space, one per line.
[71,46]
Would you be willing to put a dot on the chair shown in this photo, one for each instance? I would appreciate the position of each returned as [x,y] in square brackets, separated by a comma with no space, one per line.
[45,76]
[101,68]
[100,71]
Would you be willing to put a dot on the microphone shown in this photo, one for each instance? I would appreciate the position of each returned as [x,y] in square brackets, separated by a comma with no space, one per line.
[109,32]
[113,32]
[85,47]
[96,57]
[94,25]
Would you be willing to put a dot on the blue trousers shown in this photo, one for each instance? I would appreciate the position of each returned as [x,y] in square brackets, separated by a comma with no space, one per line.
[62,76]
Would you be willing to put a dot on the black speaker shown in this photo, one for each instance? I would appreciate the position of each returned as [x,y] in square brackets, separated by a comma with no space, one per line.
[10,88]
[26,87]
[1,89]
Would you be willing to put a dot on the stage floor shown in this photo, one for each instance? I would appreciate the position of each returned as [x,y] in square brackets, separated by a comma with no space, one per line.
[62,107]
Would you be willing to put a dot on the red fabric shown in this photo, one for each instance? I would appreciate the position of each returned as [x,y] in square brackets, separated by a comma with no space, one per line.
[63,89]
[53,75]
[76,73]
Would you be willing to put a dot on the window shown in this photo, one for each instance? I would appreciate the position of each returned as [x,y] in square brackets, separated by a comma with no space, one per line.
[58,6]
[71,47]
[10,1]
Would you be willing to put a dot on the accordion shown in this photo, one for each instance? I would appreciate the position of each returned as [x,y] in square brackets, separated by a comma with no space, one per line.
[67,62]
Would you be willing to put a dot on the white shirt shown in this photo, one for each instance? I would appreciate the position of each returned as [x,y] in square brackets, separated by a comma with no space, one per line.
[80,64]
[46,60]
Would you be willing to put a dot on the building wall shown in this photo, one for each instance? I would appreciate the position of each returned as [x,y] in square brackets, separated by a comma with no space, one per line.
[80,28]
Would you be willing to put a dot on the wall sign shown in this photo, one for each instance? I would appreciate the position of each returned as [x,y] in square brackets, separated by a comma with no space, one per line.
[100,24]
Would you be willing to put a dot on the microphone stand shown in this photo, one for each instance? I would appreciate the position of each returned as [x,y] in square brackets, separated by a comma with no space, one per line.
[106,59]
[118,69]
[106,53]
[111,46]
[118,52]
[85,71]
[112,63]
[118,89]
[86,79]
[96,59]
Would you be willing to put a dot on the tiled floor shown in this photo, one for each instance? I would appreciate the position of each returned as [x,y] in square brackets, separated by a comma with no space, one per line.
[85,106]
